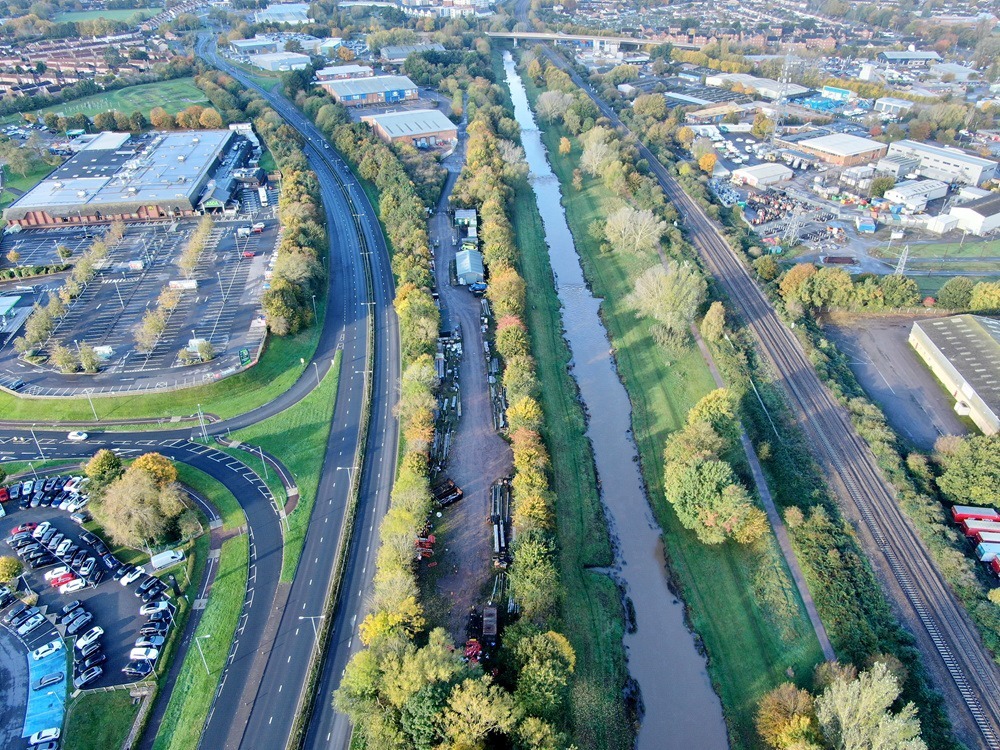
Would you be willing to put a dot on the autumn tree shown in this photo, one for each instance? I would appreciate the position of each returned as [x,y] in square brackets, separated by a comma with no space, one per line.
[161,469]
[632,229]
[564,146]
[671,296]
[985,296]
[104,467]
[135,508]
[64,359]
[160,119]
[706,163]
[786,714]
[713,325]
[210,119]
[10,568]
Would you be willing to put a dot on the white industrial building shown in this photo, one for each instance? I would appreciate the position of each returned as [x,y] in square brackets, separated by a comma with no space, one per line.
[276,61]
[842,149]
[979,217]
[893,106]
[914,195]
[293,13]
[765,87]
[762,175]
[344,72]
[946,163]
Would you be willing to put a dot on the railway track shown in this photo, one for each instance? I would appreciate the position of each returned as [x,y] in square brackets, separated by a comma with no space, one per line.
[850,465]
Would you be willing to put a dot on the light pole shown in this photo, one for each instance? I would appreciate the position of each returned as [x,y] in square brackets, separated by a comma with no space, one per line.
[312,619]
[89,399]
[197,642]
[316,366]
[37,444]
[32,467]
[201,422]
[315,316]
[350,475]
[262,461]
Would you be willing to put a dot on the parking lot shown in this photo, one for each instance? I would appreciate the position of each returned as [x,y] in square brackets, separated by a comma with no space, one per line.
[40,247]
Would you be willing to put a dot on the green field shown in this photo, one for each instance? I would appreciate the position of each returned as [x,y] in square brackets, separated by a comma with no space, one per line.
[215,492]
[99,720]
[24,184]
[931,285]
[173,96]
[972,248]
[297,437]
[121,14]
[192,695]
[730,589]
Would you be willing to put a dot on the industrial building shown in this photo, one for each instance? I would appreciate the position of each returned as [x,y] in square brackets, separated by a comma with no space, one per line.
[396,54]
[116,177]
[945,163]
[890,105]
[980,216]
[419,127]
[963,351]
[257,46]
[765,87]
[359,92]
[469,267]
[344,72]
[914,195]
[841,149]
[276,61]
[911,58]
[294,13]
[762,175]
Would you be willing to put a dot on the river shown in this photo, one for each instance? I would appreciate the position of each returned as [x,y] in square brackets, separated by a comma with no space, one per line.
[682,711]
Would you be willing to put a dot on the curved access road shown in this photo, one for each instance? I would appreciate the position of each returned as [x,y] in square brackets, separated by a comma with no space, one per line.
[951,646]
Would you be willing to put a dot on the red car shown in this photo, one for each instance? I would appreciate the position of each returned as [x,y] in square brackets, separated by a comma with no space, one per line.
[4,494]
[24,527]
[60,580]
[248,253]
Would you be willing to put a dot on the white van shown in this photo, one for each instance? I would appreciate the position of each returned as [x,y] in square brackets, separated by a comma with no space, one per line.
[166,559]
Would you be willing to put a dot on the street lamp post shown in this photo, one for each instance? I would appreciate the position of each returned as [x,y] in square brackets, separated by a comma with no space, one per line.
[315,316]
[37,444]
[317,373]
[312,619]
[91,401]
[197,642]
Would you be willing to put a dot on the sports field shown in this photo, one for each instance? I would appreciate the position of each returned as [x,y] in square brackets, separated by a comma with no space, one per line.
[173,96]
[123,14]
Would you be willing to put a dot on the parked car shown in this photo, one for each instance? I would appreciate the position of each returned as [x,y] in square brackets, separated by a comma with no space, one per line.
[132,577]
[137,669]
[91,661]
[70,586]
[87,566]
[64,546]
[14,491]
[78,558]
[150,641]
[89,637]
[6,599]
[30,624]
[60,570]
[164,616]
[78,623]
[70,611]
[110,562]
[41,529]
[151,607]
[89,650]
[61,579]
[23,528]
[143,654]
[16,610]
[28,487]
[46,735]
[123,571]
[47,650]
[154,628]
[80,518]
[55,541]
[22,618]
[87,677]
[50,679]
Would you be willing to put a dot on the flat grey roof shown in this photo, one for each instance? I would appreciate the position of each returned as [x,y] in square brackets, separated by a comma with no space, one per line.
[172,170]
[988,205]
[971,343]
[414,122]
[373,85]
[945,152]
[842,144]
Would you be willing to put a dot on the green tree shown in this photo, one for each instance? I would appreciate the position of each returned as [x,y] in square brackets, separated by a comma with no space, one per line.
[545,668]
[670,295]
[206,352]
[899,291]
[89,360]
[421,716]
[64,359]
[985,296]
[767,267]
[476,709]
[10,568]
[713,325]
[880,185]
[972,471]
[134,509]
[104,467]
[956,293]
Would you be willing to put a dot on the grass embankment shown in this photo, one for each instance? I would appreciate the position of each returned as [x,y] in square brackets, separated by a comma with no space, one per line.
[740,599]
[215,492]
[298,437]
[591,605]
[21,183]
[194,690]
[99,720]
[279,367]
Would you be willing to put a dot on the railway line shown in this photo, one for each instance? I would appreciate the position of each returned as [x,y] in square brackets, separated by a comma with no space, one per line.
[892,544]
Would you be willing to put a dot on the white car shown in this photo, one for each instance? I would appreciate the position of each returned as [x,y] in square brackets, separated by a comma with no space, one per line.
[41,529]
[30,624]
[151,607]
[143,654]
[48,649]
[77,436]
[75,585]
[56,572]
[72,483]
[46,735]
[89,637]
[64,545]
[132,577]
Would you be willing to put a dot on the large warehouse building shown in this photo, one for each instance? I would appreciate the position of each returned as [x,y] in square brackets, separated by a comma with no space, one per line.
[980,216]
[842,149]
[360,92]
[117,178]
[964,353]
[420,127]
[762,175]
[946,163]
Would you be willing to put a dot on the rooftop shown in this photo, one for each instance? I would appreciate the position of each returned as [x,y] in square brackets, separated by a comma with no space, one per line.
[342,70]
[948,152]
[842,144]
[280,57]
[413,122]
[988,205]
[764,170]
[971,343]
[910,55]
[373,85]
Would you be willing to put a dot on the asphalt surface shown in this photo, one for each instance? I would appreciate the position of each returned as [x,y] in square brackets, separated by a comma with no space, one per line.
[963,669]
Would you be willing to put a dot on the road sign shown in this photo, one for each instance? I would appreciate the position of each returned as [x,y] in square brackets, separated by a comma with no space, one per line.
[244,357]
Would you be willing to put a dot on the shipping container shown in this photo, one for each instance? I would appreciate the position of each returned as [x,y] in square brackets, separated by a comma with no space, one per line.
[995,564]
[987,552]
[992,537]
[973,525]
[961,513]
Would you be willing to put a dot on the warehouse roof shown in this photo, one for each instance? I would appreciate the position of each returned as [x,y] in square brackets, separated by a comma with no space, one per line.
[894,102]
[895,55]
[946,152]
[284,13]
[988,205]
[414,122]
[764,171]
[971,343]
[342,70]
[280,57]
[468,261]
[373,85]
[842,144]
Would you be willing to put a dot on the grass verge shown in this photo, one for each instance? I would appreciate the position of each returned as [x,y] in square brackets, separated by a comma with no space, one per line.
[215,492]
[730,590]
[21,183]
[591,605]
[192,695]
[298,437]
[99,720]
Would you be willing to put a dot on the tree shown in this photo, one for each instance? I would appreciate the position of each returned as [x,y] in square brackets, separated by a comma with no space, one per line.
[13,257]
[210,119]
[899,291]
[64,252]
[104,467]
[89,360]
[706,163]
[160,119]
[64,359]
[206,352]
[161,469]
[713,325]
[985,296]
[956,293]
[134,508]
[477,708]
[762,126]
[782,710]
[545,668]
[553,105]
[685,136]
[854,715]
[188,525]
[631,229]
[670,295]
[793,282]
[346,54]
[10,568]
[880,185]
[564,146]
[972,471]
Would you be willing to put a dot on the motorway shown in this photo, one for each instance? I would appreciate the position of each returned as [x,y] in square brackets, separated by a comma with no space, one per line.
[965,672]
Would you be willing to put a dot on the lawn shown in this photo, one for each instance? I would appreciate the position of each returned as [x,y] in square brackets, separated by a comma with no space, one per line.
[750,643]
[99,720]
[298,437]
[931,285]
[279,367]
[591,606]
[23,184]
[121,14]
[215,492]
[192,695]
[970,248]
[173,95]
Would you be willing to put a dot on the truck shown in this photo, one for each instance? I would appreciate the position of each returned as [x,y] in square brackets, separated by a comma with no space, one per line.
[987,552]
[262,194]
[961,513]
[990,537]
[166,559]
[970,527]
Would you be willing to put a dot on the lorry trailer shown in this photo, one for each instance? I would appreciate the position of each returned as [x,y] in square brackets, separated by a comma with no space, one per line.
[966,512]
[973,525]
[987,551]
